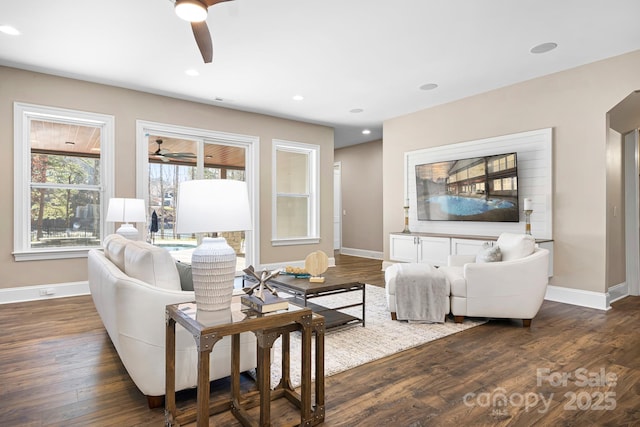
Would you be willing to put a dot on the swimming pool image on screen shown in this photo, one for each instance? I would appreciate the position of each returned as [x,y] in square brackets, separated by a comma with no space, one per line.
[472,189]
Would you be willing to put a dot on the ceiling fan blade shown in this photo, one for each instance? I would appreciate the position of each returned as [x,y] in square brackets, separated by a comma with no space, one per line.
[160,156]
[203,39]
[213,2]
[179,155]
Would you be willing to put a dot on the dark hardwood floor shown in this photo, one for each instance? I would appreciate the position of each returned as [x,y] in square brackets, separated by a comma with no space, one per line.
[574,366]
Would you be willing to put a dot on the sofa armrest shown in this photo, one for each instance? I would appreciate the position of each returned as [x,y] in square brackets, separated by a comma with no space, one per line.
[508,278]
[460,260]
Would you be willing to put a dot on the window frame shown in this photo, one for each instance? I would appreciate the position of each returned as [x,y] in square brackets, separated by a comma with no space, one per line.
[23,114]
[250,143]
[313,213]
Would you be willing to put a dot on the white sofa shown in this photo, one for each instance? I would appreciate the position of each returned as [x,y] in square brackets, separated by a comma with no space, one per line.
[131,283]
[513,288]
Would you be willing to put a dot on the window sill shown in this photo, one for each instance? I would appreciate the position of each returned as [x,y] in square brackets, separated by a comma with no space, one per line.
[40,255]
[300,241]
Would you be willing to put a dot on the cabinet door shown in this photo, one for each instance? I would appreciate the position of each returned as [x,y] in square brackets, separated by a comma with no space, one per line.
[402,248]
[434,250]
[467,246]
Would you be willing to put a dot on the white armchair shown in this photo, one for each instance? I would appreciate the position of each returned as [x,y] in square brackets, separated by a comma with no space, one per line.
[513,288]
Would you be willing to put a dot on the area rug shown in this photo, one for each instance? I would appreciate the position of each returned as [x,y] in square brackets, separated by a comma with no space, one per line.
[352,346]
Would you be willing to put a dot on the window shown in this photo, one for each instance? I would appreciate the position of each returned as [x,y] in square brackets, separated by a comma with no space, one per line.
[296,193]
[168,155]
[62,167]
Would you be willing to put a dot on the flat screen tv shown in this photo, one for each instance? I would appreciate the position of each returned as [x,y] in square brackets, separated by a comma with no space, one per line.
[475,189]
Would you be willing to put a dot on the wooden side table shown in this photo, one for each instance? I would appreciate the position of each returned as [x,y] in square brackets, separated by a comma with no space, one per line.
[284,387]
[207,329]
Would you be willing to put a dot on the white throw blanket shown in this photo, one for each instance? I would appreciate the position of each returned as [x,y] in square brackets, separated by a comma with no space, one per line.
[420,293]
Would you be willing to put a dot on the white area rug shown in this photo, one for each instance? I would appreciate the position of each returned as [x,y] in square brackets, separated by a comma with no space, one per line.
[353,346]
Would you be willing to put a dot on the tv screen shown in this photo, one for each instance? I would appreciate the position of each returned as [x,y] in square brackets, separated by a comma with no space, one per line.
[475,189]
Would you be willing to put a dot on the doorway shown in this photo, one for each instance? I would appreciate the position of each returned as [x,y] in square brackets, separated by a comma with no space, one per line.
[337,206]
[632,212]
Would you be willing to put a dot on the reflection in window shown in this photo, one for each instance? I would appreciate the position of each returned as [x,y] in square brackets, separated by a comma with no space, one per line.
[177,159]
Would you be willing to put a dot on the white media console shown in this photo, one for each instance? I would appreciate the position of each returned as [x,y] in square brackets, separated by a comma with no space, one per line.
[434,248]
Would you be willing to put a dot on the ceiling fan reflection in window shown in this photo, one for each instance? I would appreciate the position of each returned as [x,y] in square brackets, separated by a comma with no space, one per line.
[195,12]
[166,155]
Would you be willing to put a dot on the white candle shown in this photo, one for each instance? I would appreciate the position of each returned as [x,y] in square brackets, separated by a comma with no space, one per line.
[528,205]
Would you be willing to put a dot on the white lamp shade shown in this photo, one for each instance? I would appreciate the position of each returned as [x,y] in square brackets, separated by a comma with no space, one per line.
[213,205]
[126,210]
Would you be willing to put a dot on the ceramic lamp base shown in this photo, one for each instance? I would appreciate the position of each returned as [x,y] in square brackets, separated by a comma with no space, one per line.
[213,265]
[128,231]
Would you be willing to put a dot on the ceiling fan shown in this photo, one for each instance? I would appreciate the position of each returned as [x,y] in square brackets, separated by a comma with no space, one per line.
[166,155]
[195,11]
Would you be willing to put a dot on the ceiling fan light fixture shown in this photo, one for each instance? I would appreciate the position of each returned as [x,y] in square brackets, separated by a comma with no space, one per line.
[191,10]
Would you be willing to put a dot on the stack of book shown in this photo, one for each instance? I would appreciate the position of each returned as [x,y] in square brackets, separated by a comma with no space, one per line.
[270,303]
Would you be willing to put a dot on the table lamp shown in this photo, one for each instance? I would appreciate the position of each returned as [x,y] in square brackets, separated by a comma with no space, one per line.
[207,206]
[126,211]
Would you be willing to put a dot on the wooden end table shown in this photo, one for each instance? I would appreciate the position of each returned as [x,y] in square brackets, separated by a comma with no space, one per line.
[208,328]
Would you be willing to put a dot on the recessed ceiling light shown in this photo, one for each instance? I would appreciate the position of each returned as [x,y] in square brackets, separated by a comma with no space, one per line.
[192,73]
[428,86]
[356,110]
[366,132]
[8,29]
[298,97]
[544,47]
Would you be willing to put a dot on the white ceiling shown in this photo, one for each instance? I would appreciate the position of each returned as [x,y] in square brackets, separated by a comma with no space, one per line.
[339,54]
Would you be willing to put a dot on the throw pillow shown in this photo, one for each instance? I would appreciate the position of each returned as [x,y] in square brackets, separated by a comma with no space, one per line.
[516,246]
[186,277]
[489,254]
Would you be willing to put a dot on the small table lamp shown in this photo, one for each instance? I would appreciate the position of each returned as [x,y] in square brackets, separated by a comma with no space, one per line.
[213,205]
[126,211]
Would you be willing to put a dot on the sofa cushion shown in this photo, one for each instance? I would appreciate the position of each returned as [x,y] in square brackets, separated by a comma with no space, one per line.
[516,246]
[489,254]
[186,276]
[114,245]
[151,264]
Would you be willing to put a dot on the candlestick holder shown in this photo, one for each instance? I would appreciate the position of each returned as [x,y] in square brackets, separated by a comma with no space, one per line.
[406,220]
[527,218]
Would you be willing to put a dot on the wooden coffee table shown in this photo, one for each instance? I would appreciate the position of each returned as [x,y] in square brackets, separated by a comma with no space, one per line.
[302,291]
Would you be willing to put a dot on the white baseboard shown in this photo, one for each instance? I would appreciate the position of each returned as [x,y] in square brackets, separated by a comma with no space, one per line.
[363,253]
[42,292]
[617,292]
[590,299]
